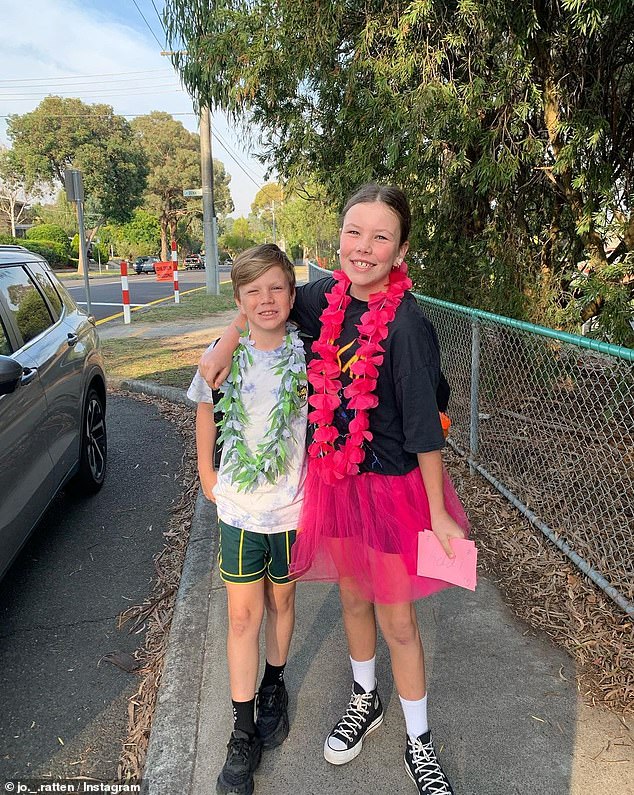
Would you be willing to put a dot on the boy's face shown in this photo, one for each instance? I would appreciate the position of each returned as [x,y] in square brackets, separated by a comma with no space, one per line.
[267,301]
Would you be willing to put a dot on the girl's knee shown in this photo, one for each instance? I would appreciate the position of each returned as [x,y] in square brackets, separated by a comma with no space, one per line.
[353,605]
[399,626]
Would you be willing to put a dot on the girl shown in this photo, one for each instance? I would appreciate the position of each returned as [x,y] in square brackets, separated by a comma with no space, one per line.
[375,475]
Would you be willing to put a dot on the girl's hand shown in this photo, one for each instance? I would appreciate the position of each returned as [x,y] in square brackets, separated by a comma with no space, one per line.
[214,368]
[445,528]
[207,482]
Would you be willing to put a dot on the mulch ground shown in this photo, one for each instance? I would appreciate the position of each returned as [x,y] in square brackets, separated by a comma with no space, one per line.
[537,581]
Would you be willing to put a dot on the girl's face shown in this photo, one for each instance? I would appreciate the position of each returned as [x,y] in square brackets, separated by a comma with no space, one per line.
[369,247]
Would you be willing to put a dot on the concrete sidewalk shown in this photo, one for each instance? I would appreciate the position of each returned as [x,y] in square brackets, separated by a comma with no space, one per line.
[503,702]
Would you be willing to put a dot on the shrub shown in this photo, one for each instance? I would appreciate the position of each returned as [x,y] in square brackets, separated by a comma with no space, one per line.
[46,232]
[53,252]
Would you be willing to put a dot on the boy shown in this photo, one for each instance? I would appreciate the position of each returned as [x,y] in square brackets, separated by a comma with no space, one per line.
[258,490]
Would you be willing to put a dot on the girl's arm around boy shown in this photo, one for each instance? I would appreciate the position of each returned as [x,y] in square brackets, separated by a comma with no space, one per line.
[205,440]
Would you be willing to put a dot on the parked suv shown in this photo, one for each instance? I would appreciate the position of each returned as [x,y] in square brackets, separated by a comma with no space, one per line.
[145,264]
[194,262]
[52,397]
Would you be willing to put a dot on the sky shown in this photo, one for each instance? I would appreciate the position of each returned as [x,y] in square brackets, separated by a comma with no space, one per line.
[106,51]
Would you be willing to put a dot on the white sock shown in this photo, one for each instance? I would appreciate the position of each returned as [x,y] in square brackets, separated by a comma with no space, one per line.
[363,673]
[415,713]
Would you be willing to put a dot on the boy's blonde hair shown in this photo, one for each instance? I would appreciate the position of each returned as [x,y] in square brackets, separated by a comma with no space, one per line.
[256,261]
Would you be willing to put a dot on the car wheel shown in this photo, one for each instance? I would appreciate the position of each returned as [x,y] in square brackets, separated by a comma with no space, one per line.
[94,445]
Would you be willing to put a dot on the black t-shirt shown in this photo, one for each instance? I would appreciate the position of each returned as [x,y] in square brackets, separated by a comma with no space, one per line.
[406,421]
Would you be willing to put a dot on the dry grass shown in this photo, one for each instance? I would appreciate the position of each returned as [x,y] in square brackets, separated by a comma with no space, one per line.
[545,589]
[154,616]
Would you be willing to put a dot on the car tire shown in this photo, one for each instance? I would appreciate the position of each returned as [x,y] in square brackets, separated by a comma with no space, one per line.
[94,445]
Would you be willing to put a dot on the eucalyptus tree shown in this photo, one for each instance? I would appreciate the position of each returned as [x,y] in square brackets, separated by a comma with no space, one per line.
[509,124]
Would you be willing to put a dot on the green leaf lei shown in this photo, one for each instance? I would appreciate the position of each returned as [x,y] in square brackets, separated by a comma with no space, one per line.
[248,470]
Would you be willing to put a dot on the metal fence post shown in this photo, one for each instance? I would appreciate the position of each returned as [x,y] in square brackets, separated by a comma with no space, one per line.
[475,392]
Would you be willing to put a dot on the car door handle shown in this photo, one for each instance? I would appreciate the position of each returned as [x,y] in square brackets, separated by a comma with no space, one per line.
[29,374]
[72,339]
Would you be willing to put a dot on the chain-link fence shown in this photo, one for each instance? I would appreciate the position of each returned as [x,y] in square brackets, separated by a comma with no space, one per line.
[548,419]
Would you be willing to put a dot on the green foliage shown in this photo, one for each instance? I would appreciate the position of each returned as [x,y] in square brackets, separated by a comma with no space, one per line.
[509,125]
[173,155]
[139,237]
[240,237]
[64,132]
[54,253]
[48,232]
[60,213]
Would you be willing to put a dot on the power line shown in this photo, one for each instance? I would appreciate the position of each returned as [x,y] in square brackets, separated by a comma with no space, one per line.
[40,80]
[147,23]
[91,84]
[116,92]
[99,115]
[160,19]
[235,158]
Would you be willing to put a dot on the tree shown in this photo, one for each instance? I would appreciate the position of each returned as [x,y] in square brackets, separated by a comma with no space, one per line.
[239,238]
[510,126]
[173,154]
[307,221]
[64,132]
[16,194]
[140,236]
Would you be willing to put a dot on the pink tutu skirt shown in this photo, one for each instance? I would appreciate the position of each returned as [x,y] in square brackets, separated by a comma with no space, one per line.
[363,533]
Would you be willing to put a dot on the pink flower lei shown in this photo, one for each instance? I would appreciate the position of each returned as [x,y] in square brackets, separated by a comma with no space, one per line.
[335,459]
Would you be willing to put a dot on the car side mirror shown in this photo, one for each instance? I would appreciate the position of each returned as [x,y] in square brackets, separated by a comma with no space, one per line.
[10,374]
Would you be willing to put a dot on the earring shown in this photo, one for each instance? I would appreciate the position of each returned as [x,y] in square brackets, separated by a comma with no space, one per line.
[338,251]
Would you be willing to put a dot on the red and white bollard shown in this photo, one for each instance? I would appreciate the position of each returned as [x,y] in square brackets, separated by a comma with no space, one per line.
[177,297]
[125,291]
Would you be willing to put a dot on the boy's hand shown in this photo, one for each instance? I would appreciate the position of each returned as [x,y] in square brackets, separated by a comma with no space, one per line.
[207,482]
[445,528]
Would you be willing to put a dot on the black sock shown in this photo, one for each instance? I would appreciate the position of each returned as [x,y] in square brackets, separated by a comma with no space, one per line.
[273,675]
[243,719]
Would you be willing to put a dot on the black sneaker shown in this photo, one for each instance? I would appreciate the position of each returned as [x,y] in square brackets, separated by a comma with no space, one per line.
[423,767]
[363,715]
[272,715]
[243,756]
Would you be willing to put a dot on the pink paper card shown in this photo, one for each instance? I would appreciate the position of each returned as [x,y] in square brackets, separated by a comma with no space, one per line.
[433,562]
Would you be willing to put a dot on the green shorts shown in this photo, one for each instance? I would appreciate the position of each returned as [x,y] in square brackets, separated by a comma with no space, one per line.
[245,556]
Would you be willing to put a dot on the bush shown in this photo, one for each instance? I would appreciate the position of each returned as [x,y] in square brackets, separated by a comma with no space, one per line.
[49,232]
[54,253]
[99,251]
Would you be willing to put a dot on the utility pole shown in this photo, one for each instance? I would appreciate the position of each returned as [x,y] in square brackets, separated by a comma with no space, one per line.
[210,229]
[74,185]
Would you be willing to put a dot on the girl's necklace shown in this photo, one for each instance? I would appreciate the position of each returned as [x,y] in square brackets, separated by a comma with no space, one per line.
[270,459]
[335,455]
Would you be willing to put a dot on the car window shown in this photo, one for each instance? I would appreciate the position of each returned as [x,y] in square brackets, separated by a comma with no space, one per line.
[46,286]
[5,347]
[25,302]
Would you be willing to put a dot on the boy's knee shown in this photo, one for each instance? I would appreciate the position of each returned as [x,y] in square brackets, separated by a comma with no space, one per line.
[279,599]
[244,619]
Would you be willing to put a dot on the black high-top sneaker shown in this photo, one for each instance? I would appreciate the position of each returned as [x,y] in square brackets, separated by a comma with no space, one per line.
[423,767]
[363,715]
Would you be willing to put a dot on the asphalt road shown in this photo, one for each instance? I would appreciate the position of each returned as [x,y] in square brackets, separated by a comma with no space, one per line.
[105,293]
[64,710]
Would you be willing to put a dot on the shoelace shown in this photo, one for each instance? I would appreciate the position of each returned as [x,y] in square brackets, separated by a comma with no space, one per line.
[354,715]
[238,748]
[267,704]
[427,768]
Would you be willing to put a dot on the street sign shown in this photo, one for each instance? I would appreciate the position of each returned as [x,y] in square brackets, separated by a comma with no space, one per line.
[193,193]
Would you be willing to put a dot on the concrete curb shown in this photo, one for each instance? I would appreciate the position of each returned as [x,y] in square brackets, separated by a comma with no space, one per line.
[171,393]
[169,766]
